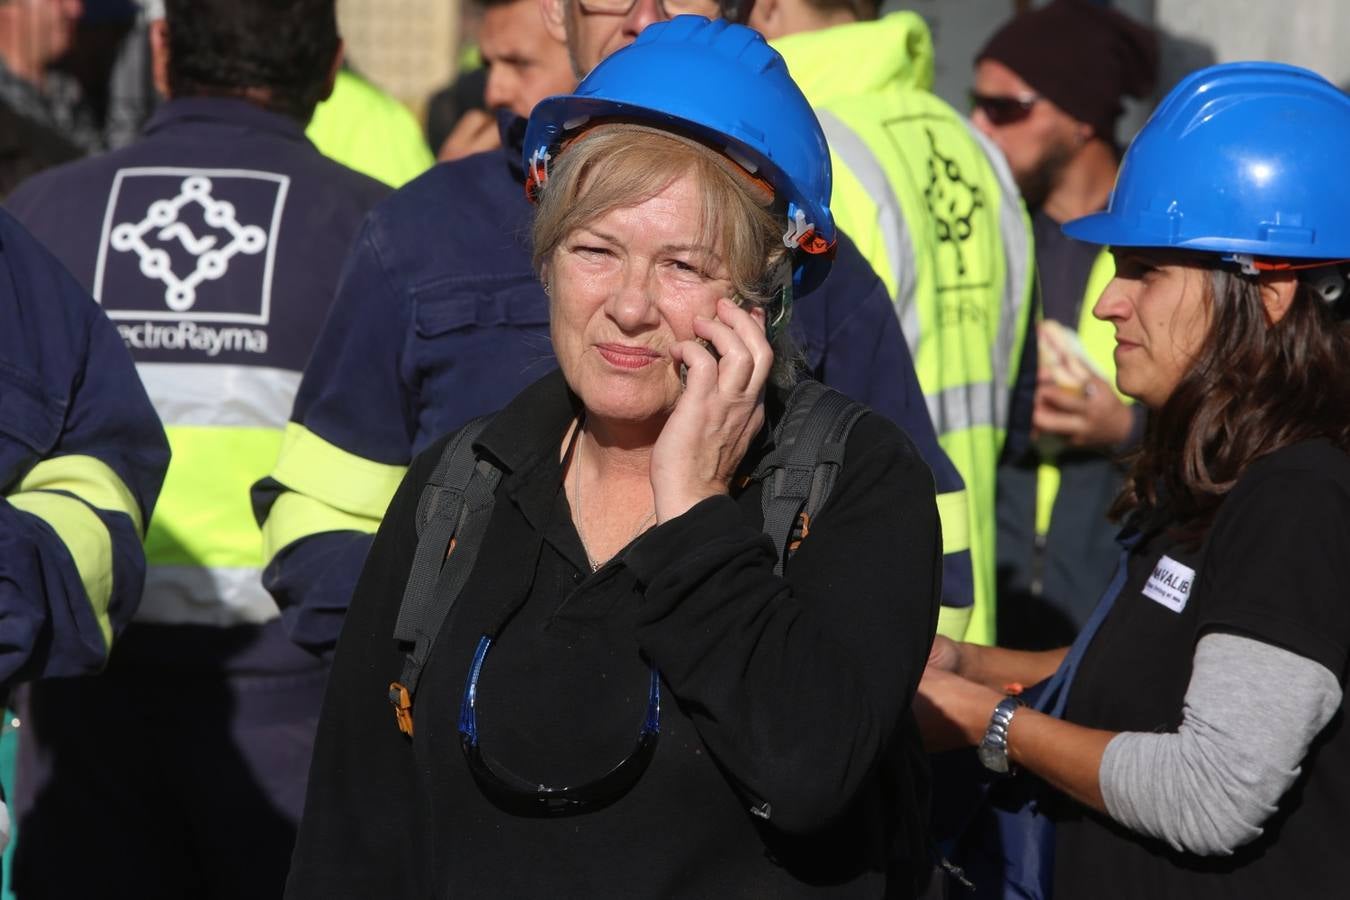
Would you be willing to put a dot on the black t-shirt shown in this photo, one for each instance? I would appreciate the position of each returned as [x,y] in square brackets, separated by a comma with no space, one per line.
[1275,567]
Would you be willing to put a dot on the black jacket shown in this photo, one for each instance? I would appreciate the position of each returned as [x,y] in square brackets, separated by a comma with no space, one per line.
[786,692]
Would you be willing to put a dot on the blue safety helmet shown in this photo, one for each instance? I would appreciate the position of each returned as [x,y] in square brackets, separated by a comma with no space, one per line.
[1244,159]
[720,84]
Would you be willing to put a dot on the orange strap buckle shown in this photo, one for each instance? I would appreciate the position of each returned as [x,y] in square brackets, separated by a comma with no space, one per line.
[402,700]
[815,245]
[800,532]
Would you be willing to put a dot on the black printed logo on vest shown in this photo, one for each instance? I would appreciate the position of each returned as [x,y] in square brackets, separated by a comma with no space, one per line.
[190,245]
[953,201]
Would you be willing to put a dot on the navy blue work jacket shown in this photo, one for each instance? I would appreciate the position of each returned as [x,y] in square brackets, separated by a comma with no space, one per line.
[214,243]
[82,457]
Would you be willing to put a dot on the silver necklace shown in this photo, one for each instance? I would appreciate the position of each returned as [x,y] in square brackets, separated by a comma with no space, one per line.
[576,492]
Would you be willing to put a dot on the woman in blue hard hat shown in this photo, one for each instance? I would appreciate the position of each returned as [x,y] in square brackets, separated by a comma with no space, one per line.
[624,584]
[1203,751]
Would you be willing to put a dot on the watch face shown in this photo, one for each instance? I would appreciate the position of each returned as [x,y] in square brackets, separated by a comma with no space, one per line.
[995,759]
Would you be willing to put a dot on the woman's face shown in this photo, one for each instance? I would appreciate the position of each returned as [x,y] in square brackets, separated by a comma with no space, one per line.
[1159,303]
[623,289]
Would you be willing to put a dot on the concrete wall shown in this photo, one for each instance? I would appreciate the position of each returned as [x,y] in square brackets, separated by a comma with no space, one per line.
[961,27]
[1310,33]
[407,47]
[1194,33]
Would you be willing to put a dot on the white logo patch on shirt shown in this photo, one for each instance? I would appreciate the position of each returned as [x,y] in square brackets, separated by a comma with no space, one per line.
[190,245]
[1170,584]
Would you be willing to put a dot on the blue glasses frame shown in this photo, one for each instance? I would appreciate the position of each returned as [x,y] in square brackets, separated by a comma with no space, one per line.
[527,798]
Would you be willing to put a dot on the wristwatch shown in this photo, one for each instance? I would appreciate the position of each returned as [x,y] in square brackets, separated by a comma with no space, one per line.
[993,750]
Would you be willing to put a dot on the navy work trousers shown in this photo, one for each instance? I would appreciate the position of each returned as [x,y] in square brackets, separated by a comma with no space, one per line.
[137,783]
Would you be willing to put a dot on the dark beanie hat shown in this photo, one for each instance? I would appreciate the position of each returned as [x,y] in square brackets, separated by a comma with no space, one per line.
[1081,56]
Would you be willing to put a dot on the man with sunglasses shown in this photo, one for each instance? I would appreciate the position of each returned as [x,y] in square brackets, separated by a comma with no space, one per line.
[440,318]
[929,205]
[1048,90]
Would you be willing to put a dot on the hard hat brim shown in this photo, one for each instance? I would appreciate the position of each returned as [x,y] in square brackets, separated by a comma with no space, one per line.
[1109,229]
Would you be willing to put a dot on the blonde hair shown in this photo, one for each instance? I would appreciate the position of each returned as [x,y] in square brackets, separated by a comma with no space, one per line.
[621,165]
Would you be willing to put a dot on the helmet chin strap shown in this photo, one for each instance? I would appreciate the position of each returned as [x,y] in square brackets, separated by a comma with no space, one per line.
[778,312]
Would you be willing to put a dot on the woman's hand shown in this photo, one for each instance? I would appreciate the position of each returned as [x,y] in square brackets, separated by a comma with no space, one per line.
[952,711]
[721,410]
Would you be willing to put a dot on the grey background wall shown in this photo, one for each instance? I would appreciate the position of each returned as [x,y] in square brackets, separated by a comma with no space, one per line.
[1195,33]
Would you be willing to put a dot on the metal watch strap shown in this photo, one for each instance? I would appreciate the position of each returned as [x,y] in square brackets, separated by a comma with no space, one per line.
[993,749]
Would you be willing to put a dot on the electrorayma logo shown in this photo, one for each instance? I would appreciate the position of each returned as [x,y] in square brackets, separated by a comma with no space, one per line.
[191,336]
[181,244]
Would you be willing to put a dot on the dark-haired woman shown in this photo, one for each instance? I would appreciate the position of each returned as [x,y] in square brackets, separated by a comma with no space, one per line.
[1203,751]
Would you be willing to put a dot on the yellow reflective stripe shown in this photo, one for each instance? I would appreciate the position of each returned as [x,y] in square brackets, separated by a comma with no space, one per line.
[860,183]
[954,621]
[90,479]
[204,517]
[972,451]
[89,543]
[1047,489]
[295,516]
[954,513]
[349,483]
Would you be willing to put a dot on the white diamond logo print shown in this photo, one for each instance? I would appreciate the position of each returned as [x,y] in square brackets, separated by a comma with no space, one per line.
[162,219]
[190,245]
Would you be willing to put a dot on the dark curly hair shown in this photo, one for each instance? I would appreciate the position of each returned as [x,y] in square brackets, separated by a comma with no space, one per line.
[1254,388]
[277,52]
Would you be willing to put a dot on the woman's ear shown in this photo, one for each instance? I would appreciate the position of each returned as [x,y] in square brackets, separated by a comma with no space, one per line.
[1277,293]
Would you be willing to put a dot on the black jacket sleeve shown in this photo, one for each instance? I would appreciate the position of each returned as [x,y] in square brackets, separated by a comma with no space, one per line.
[356,840]
[797,684]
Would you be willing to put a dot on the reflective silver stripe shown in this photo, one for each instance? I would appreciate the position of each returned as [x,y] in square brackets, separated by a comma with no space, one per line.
[968,406]
[1018,264]
[223,395]
[863,163]
[192,595]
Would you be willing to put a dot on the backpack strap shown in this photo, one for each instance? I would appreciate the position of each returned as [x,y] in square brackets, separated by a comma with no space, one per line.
[799,473]
[452,518]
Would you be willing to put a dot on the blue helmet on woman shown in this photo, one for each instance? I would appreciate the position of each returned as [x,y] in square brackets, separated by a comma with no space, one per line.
[1246,160]
[724,86]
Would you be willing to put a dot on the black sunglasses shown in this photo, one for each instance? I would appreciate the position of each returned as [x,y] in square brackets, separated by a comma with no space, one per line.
[1003,110]
[529,798]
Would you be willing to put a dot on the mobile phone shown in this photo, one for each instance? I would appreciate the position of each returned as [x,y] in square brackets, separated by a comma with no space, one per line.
[707,345]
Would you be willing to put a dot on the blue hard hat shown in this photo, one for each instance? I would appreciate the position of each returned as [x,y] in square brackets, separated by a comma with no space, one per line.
[724,86]
[1242,159]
